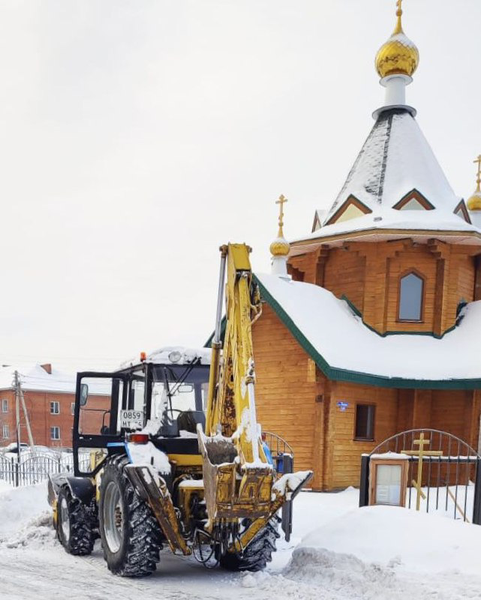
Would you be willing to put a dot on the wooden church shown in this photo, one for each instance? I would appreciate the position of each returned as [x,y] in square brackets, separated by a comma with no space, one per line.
[370,323]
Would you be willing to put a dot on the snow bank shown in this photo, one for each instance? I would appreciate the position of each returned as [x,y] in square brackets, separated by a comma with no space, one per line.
[18,506]
[391,536]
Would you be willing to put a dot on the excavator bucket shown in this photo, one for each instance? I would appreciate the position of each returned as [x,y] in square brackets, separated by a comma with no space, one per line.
[232,492]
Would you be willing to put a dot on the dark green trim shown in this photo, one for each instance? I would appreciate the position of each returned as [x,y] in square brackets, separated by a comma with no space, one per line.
[353,307]
[347,376]
[208,343]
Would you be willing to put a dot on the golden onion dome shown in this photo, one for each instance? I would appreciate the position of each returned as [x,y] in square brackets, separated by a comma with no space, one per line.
[399,55]
[474,203]
[280,247]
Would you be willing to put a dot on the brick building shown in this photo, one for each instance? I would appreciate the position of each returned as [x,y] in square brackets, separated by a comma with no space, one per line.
[49,400]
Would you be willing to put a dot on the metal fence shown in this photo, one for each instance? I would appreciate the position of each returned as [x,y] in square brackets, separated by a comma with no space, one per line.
[34,468]
[451,472]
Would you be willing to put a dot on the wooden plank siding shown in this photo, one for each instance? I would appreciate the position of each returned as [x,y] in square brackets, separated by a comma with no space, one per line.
[344,275]
[343,451]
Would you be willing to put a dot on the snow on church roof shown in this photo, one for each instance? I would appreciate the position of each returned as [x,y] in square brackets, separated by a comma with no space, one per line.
[395,160]
[346,349]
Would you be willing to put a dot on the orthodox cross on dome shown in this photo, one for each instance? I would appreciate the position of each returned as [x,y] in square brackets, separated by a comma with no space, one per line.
[399,14]
[420,454]
[282,200]
[478,162]
[280,246]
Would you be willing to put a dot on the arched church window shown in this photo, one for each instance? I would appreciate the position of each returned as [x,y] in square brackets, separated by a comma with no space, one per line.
[411,289]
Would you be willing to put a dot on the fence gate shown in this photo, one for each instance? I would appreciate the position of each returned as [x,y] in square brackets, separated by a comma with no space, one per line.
[451,472]
[35,468]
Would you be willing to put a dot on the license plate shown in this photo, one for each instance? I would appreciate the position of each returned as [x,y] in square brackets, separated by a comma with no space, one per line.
[131,419]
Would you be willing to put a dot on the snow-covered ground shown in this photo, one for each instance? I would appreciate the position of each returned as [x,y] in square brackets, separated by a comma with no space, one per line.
[345,552]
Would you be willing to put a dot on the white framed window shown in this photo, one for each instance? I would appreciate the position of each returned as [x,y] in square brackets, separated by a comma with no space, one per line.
[6,432]
[54,407]
[55,433]
[72,408]
[5,405]
[411,293]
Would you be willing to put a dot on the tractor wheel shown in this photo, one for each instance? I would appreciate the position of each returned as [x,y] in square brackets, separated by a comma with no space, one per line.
[74,524]
[257,554]
[130,534]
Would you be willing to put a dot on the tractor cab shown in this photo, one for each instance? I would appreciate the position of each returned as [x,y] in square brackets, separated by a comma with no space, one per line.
[160,397]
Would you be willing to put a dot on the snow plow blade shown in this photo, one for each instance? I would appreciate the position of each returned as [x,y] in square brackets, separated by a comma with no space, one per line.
[153,489]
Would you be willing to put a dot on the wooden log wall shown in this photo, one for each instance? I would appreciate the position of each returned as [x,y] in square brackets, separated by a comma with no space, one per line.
[368,274]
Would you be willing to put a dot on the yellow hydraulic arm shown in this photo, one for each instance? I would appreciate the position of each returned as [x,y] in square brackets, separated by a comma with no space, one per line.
[231,408]
[239,482]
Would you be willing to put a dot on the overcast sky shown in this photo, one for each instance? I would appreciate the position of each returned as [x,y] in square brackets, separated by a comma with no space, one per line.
[137,136]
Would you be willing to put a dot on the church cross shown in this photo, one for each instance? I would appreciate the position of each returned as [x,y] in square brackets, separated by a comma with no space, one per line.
[478,162]
[399,8]
[282,200]
[421,453]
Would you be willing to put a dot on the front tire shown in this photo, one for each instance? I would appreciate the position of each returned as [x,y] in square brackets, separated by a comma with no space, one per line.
[257,554]
[130,534]
[74,524]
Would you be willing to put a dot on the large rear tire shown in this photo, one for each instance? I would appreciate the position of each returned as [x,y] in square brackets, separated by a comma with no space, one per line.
[130,534]
[257,554]
[74,524]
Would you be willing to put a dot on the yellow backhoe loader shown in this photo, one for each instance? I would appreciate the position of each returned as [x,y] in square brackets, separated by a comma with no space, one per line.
[168,451]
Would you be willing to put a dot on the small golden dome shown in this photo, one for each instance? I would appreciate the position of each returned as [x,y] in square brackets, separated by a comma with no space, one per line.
[474,203]
[280,247]
[399,55]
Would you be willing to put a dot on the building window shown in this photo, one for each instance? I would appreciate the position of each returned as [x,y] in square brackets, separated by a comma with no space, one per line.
[411,288]
[6,432]
[54,408]
[72,408]
[54,433]
[4,406]
[365,421]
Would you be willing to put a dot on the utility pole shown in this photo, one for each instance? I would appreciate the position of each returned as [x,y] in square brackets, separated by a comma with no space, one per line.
[17,413]
[20,398]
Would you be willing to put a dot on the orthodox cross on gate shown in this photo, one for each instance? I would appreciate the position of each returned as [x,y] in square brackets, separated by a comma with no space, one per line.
[282,200]
[478,162]
[420,454]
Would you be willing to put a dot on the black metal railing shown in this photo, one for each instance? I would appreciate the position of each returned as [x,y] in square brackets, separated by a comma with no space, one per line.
[451,477]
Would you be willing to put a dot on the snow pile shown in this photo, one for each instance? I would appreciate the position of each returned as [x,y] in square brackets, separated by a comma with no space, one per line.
[375,553]
[18,506]
[37,533]
[409,540]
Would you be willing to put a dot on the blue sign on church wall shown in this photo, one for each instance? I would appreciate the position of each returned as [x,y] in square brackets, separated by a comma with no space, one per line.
[342,406]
